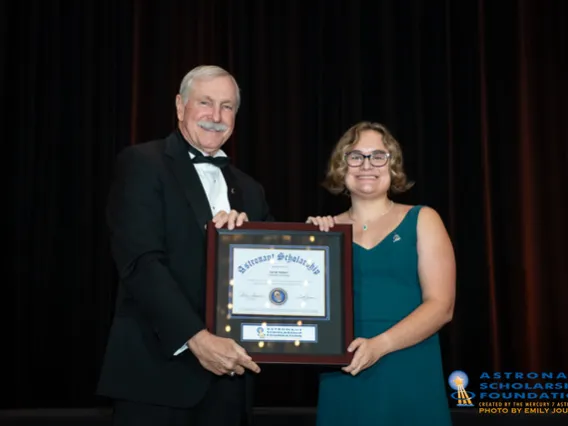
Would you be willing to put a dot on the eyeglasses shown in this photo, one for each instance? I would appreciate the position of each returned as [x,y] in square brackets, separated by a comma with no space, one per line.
[357,158]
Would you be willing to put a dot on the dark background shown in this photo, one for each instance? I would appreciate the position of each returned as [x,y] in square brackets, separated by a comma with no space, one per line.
[475,91]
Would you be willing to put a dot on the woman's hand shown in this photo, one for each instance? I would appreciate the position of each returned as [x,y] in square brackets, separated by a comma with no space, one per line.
[325,223]
[367,353]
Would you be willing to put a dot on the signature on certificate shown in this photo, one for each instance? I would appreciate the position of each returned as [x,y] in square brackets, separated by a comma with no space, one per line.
[250,296]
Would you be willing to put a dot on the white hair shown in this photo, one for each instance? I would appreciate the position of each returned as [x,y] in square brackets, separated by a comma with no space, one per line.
[205,72]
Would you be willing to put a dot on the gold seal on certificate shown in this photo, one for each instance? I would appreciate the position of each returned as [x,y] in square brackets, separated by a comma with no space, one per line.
[278,296]
[282,291]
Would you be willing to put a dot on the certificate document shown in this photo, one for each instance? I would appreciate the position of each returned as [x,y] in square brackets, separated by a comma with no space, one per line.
[285,282]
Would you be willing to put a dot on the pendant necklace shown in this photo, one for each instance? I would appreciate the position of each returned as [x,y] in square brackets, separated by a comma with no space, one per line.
[365,227]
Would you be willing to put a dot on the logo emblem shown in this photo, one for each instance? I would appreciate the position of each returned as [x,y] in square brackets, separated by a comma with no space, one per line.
[458,381]
[278,296]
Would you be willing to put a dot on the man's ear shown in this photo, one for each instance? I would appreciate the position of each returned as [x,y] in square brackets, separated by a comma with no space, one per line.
[180,108]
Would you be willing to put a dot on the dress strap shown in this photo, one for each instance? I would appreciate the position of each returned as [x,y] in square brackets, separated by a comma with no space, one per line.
[410,222]
[413,212]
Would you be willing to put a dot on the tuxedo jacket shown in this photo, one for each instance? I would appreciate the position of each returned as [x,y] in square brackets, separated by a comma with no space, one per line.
[157,215]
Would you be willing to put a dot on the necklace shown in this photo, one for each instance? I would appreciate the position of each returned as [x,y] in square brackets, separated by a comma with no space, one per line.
[365,227]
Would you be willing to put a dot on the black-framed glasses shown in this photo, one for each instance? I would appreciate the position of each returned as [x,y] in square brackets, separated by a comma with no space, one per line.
[376,158]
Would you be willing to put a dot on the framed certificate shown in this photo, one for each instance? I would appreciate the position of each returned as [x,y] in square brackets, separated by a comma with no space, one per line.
[283,291]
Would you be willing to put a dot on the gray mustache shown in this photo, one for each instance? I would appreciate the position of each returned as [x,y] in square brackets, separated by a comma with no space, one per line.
[209,125]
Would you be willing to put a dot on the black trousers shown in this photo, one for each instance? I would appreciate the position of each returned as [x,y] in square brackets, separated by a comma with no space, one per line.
[223,405]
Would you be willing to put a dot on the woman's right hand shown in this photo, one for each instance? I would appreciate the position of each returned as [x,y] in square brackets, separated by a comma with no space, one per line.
[325,223]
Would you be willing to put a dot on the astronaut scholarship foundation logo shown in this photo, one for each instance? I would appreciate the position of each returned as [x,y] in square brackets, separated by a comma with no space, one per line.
[511,392]
[458,381]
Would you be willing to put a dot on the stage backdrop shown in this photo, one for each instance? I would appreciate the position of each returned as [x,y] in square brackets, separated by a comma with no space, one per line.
[475,91]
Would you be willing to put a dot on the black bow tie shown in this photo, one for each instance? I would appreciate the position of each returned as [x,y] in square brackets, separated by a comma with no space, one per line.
[216,161]
[200,158]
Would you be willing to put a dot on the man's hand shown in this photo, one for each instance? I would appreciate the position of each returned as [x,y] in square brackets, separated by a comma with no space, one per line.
[220,355]
[232,219]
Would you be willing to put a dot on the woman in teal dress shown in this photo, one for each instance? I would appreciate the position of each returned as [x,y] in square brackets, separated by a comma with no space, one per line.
[404,290]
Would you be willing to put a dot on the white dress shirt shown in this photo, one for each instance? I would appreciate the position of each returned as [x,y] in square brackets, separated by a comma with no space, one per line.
[215,187]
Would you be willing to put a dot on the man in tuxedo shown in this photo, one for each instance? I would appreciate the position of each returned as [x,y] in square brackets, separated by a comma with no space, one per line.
[162,366]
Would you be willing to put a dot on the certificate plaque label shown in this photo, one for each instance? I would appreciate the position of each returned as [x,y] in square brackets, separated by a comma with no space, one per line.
[283,291]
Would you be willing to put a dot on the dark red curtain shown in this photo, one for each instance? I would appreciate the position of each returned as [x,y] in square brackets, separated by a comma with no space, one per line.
[525,158]
[476,92]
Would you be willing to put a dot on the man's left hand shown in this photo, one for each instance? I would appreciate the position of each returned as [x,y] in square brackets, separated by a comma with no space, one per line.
[231,219]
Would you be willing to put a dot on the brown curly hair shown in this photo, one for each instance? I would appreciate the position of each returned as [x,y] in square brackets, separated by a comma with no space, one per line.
[335,178]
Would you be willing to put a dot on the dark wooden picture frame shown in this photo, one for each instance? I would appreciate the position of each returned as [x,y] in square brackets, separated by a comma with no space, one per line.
[333,331]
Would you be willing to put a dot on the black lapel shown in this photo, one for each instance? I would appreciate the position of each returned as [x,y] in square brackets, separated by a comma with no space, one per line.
[233,190]
[184,171]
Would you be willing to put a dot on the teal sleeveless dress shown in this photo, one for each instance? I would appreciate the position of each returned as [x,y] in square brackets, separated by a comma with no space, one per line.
[404,388]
